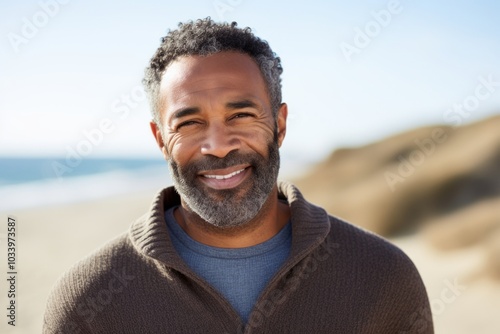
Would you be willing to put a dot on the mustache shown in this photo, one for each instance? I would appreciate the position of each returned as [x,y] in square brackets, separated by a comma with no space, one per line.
[211,162]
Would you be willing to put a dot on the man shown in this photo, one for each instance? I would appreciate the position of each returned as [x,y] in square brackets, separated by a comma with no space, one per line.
[228,249]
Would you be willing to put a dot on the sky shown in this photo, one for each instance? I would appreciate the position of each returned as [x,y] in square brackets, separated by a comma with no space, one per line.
[354,71]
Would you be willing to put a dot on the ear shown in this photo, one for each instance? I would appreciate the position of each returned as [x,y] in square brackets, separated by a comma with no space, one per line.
[159,138]
[281,122]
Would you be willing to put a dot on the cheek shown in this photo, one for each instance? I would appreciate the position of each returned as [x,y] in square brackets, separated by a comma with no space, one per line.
[180,149]
[252,138]
[258,138]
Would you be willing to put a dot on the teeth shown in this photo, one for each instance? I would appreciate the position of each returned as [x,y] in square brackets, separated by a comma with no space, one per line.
[222,177]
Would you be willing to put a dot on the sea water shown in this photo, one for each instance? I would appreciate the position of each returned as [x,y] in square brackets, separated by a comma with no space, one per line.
[42,181]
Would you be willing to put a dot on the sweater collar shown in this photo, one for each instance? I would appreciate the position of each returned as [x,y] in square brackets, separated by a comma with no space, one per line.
[310,223]
[150,237]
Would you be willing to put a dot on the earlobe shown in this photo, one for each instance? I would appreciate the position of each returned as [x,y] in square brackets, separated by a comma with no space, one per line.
[155,129]
[281,122]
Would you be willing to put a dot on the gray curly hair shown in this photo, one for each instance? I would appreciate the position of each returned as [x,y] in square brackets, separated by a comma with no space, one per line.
[203,38]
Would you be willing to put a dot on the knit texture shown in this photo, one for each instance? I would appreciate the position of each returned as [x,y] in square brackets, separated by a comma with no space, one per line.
[239,274]
[337,279]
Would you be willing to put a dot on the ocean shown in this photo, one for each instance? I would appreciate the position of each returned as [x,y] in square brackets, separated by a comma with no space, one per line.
[41,181]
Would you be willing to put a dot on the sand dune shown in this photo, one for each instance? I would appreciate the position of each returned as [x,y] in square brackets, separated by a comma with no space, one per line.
[393,185]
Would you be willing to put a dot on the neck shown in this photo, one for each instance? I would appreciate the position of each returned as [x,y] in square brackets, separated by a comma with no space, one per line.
[272,217]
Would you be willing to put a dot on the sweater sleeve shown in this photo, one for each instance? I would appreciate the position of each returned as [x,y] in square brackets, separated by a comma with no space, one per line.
[406,302]
[61,314]
[418,315]
[81,294]
[390,292]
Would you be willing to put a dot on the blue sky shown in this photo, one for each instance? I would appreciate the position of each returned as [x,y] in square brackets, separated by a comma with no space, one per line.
[79,72]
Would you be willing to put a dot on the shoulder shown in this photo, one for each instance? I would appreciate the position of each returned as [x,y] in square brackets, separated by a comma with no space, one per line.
[369,250]
[96,277]
[382,273]
[93,267]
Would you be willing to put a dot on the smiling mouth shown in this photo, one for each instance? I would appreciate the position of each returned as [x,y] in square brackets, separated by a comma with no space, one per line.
[224,179]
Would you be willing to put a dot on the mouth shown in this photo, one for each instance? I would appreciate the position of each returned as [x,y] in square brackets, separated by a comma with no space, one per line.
[225,178]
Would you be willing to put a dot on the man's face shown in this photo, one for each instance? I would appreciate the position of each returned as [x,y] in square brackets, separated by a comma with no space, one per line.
[219,136]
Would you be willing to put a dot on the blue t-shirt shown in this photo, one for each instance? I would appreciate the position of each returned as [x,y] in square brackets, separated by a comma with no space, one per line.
[239,274]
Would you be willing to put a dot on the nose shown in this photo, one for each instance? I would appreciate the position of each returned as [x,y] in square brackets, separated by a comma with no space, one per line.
[219,141]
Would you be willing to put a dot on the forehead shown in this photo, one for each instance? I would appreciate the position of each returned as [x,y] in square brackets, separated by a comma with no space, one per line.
[189,75]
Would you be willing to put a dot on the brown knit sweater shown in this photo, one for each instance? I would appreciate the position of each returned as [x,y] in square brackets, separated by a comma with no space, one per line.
[337,279]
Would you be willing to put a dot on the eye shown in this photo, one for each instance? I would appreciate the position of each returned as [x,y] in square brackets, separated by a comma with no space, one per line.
[242,115]
[186,124]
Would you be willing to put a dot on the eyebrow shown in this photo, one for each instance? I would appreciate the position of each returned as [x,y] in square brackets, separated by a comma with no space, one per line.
[242,104]
[183,112]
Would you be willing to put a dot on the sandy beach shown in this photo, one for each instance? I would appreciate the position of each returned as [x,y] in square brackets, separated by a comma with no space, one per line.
[463,299]
[52,239]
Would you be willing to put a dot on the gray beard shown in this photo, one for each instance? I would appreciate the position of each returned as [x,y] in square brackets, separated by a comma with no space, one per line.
[228,208]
